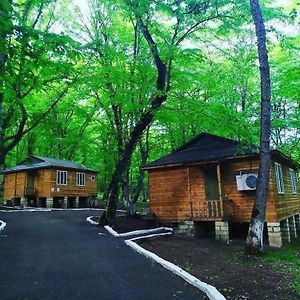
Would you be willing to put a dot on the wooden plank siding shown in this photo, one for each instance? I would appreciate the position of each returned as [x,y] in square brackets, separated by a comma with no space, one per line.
[288,204]
[14,185]
[169,194]
[71,189]
[44,180]
[178,193]
[242,201]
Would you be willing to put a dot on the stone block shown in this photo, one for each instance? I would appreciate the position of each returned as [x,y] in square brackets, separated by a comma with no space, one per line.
[297,222]
[285,231]
[49,202]
[292,227]
[23,202]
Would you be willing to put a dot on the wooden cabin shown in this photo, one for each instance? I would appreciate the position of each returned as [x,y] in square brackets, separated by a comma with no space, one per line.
[48,182]
[213,179]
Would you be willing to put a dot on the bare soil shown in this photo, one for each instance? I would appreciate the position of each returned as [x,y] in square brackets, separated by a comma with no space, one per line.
[131,223]
[235,274]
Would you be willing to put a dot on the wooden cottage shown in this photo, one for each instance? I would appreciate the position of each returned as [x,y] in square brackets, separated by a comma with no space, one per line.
[213,179]
[49,182]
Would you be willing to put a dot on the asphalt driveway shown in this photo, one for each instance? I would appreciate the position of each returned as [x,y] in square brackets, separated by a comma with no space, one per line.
[58,255]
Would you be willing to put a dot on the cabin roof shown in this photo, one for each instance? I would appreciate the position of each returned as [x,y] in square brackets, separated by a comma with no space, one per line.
[39,162]
[208,148]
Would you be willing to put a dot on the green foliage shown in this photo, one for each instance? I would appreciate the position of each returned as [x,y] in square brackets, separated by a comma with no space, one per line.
[214,80]
[287,259]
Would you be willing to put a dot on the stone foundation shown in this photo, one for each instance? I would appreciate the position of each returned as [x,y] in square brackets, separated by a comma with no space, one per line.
[292,227]
[285,231]
[274,234]
[297,223]
[49,202]
[222,231]
[23,202]
[64,203]
[186,228]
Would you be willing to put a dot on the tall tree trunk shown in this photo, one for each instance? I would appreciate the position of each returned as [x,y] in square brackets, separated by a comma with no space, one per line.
[144,150]
[162,85]
[254,242]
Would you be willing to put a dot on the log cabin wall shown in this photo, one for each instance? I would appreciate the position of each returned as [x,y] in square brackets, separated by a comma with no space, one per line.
[169,194]
[288,204]
[14,185]
[176,193]
[242,201]
[44,181]
[71,189]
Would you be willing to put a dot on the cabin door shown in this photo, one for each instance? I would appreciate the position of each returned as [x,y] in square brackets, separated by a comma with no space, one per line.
[30,180]
[211,184]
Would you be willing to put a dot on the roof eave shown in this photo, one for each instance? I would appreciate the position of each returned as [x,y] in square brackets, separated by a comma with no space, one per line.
[213,161]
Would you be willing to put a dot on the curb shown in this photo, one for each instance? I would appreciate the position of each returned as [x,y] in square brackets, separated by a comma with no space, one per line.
[2,225]
[136,232]
[89,219]
[211,292]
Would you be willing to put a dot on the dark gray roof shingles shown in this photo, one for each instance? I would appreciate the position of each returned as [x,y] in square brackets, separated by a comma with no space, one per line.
[207,148]
[39,162]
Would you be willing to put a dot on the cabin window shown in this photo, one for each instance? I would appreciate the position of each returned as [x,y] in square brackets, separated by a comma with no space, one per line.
[80,179]
[93,177]
[279,178]
[293,181]
[61,177]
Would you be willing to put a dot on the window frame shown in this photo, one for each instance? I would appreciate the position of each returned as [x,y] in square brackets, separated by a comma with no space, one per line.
[93,178]
[279,178]
[79,178]
[59,177]
[293,181]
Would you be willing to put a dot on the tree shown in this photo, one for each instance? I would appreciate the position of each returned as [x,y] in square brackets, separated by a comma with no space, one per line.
[254,242]
[35,65]
[190,16]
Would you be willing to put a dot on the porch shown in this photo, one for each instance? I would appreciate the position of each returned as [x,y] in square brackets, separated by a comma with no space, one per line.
[212,210]
[212,204]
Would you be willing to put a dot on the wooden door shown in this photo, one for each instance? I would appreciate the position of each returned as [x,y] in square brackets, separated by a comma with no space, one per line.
[211,183]
[29,190]
[30,180]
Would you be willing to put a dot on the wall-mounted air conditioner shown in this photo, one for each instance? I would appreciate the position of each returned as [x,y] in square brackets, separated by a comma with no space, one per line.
[246,182]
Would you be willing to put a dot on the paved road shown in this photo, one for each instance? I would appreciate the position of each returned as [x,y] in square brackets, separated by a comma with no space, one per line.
[58,255]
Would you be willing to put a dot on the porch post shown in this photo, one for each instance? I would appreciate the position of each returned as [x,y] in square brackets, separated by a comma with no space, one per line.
[189,192]
[220,189]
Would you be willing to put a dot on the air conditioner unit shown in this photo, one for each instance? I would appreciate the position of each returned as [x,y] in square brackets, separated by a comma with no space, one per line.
[246,182]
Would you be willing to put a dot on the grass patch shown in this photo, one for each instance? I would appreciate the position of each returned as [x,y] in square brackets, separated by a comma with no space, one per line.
[287,259]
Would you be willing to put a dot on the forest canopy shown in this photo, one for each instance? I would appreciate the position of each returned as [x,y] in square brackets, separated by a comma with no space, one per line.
[77,77]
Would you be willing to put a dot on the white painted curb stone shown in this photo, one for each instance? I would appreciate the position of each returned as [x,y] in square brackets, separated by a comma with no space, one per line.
[209,290]
[2,225]
[136,232]
[89,219]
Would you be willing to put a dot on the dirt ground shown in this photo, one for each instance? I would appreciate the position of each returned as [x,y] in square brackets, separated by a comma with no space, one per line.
[235,274]
[126,224]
